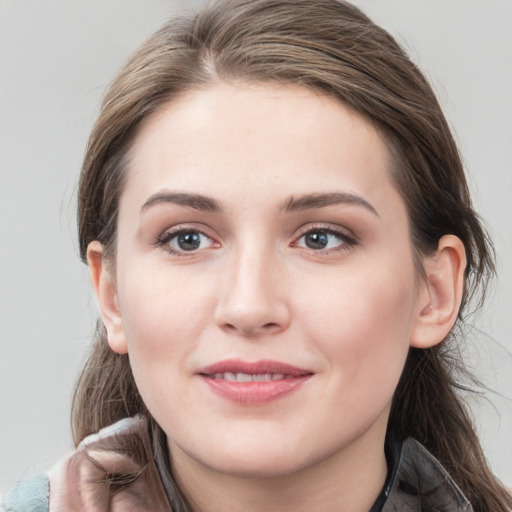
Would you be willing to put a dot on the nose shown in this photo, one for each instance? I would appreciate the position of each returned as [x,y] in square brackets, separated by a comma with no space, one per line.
[253,297]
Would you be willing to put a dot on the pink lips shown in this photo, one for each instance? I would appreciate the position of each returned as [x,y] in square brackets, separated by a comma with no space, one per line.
[253,383]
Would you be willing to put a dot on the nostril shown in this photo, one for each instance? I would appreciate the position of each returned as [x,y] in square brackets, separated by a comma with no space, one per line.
[252,318]
[252,330]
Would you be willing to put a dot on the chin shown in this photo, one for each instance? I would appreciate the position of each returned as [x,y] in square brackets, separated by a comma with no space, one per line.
[265,465]
[262,456]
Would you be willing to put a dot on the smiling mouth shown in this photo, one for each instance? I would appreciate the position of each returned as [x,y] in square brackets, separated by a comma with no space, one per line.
[253,383]
[247,377]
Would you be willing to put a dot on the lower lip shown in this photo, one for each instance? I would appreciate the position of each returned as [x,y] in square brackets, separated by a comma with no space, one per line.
[255,393]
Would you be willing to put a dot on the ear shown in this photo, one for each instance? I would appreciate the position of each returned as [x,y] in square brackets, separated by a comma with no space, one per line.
[104,286]
[440,293]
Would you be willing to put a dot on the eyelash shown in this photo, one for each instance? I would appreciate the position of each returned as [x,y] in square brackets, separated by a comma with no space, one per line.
[166,237]
[346,241]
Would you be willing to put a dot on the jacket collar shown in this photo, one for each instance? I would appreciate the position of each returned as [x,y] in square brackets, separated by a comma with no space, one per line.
[122,464]
[418,483]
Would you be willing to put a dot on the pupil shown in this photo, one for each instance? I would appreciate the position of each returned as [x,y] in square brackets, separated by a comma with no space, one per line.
[317,240]
[189,241]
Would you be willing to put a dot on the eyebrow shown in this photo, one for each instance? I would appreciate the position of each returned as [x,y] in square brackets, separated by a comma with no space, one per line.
[293,204]
[195,201]
[312,201]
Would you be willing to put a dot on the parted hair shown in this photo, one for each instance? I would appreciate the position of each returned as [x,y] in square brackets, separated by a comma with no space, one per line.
[332,47]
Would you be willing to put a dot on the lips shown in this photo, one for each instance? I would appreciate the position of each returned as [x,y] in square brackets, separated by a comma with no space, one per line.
[253,383]
[248,377]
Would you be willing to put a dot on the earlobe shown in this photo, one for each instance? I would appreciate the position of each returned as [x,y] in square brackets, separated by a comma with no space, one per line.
[104,286]
[440,293]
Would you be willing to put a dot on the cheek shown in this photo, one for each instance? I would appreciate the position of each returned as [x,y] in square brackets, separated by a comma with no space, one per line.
[163,318]
[163,306]
[362,327]
[164,315]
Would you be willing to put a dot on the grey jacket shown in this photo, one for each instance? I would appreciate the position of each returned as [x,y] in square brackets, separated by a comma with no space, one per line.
[88,481]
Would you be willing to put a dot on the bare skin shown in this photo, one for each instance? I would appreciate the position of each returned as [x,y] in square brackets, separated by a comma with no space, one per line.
[259,222]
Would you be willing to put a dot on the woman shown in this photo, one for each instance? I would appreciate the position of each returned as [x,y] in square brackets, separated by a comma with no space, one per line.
[281,241]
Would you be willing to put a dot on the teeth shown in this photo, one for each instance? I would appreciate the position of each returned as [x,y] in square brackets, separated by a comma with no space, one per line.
[246,377]
[262,377]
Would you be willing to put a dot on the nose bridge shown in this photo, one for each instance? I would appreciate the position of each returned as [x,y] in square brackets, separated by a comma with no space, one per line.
[252,268]
[253,301]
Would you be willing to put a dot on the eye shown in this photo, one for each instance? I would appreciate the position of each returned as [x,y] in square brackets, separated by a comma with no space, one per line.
[185,240]
[321,239]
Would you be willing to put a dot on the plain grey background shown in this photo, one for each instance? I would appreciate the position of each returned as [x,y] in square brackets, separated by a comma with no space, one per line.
[56,56]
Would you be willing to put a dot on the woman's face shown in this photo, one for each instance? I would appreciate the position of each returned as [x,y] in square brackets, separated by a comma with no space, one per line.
[265,285]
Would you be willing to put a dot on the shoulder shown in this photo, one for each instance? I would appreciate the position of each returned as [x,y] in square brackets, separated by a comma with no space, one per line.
[115,465]
[31,495]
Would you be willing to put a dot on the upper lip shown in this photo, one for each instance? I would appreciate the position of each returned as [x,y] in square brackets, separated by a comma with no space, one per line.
[253,368]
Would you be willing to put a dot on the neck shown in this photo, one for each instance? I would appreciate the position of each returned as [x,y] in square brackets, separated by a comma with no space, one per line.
[348,481]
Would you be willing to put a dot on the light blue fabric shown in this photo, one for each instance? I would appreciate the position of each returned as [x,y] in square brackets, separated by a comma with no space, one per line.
[31,495]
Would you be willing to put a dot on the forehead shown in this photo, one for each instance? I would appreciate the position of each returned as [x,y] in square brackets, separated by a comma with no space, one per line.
[246,140]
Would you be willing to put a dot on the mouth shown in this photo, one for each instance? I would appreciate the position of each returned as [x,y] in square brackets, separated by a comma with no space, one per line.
[256,383]
[247,377]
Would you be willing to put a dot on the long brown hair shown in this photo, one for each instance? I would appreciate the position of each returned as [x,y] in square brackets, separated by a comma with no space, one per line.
[331,46]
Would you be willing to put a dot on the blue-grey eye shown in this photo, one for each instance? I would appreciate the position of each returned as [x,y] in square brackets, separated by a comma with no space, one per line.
[189,241]
[320,240]
[316,240]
